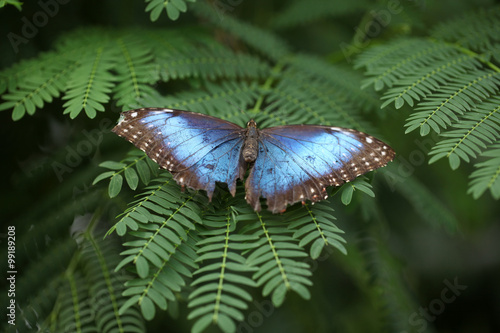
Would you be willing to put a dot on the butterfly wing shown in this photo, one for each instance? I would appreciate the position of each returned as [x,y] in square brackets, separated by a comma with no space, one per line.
[297,162]
[197,149]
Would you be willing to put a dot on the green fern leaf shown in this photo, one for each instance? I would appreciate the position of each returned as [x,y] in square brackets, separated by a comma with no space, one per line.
[201,57]
[427,79]
[218,296]
[487,175]
[136,71]
[358,184]
[386,64]
[90,84]
[257,38]
[144,166]
[476,129]
[28,93]
[315,225]
[475,30]
[442,108]
[277,257]
[449,79]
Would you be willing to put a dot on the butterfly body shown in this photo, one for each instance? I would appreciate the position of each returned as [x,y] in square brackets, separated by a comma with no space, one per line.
[251,145]
[287,163]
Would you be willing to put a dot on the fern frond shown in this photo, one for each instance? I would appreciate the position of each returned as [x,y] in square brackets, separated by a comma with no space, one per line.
[75,307]
[476,129]
[161,203]
[172,7]
[87,63]
[442,108]
[105,287]
[226,100]
[476,30]
[218,296]
[204,58]
[277,257]
[160,221]
[450,79]
[136,71]
[487,175]
[90,83]
[144,167]
[259,39]
[386,64]
[314,224]
[322,100]
[175,265]
[360,184]
[345,83]
[424,80]
[45,81]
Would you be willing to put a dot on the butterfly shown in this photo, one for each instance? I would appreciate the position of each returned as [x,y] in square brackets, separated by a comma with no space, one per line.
[287,163]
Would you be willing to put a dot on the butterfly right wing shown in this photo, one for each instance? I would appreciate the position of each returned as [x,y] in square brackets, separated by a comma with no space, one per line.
[198,149]
[297,163]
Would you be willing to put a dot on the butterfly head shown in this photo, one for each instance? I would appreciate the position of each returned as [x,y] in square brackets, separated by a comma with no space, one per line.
[251,123]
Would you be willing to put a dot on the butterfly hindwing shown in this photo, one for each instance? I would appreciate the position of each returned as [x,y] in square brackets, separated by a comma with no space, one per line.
[197,149]
[297,162]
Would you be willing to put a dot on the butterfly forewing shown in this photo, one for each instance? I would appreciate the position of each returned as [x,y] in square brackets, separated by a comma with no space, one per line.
[297,162]
[198,149]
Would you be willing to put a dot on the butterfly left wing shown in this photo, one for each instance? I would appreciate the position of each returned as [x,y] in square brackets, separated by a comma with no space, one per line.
[297,162]
[197,149]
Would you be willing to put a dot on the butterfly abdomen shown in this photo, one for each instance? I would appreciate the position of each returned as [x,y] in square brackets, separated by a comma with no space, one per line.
[251,145]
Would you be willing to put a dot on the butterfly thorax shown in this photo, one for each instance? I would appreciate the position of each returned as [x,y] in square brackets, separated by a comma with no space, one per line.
[251,145]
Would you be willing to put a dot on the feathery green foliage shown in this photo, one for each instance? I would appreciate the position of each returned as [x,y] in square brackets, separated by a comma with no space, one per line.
[452,82]
[218,294]
[487,175]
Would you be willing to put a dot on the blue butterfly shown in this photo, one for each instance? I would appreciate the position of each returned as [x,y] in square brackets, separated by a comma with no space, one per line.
[287,163]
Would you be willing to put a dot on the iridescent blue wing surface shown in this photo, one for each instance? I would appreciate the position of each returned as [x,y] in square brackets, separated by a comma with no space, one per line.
[197,149]
[297,162]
